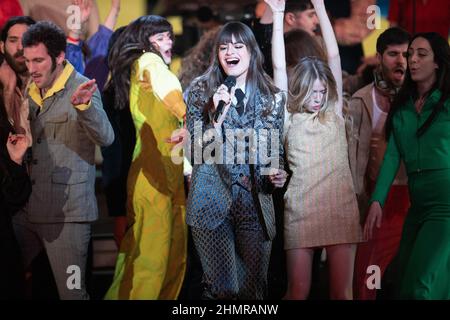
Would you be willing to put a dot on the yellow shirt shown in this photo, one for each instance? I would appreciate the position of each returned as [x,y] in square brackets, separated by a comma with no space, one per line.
[58,85]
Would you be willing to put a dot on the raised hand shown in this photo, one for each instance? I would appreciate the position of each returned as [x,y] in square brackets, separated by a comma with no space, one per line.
[332,49]
[115,4]
[84,93]
[17,145]
[85,9]
[373,218]
[111,19]
[276,5]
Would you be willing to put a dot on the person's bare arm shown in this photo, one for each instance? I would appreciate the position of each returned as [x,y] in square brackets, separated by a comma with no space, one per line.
[111,19]
[334,59]
[278,52]
[94,20]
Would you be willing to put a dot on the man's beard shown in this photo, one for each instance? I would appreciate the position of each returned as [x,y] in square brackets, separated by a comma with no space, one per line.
[394,83]
[19,68]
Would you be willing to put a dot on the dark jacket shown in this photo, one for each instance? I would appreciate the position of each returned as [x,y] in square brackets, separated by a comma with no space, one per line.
[15,188]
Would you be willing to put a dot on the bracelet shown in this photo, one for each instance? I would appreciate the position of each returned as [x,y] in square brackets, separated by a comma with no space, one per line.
[72,39]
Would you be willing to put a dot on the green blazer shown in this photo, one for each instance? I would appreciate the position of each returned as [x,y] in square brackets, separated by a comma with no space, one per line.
[429,151]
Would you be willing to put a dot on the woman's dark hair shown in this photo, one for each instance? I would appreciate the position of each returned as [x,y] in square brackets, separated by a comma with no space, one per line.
[257,79]
[129,46]
[441,51]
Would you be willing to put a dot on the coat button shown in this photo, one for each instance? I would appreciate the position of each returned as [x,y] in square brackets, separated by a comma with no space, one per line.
[38,140]
[35,161]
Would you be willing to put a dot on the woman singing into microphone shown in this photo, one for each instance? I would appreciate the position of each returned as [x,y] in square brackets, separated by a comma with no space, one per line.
[230,206]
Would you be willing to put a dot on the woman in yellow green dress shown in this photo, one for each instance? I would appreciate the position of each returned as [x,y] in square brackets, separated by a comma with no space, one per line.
[152,257]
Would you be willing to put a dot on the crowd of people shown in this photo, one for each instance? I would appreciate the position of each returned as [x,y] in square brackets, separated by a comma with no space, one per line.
[268,149]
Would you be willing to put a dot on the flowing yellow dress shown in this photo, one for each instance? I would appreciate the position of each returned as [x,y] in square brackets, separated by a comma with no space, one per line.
[152,258]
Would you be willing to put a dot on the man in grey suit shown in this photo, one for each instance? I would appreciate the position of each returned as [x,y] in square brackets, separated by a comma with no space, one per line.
[67,121]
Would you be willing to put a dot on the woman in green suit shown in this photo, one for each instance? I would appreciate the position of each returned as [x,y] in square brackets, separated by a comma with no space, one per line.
[418,128]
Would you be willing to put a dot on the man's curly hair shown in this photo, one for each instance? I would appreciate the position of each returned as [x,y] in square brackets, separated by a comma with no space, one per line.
[47,33]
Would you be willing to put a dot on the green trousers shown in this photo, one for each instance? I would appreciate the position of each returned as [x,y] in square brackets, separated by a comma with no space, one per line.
[424,253]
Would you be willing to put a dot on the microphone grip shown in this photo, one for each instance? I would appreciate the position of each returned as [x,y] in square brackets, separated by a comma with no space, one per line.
[219,110]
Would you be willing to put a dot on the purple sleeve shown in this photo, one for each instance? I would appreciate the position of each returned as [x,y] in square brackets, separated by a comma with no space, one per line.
[75,56]
[96,66]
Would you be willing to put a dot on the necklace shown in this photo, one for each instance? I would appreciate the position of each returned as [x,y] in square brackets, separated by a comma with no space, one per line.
[420,102]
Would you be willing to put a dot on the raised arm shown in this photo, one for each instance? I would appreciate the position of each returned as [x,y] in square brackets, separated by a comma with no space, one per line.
[278,55]
[111,19]
[88,103]
[334,60]
[85,11]
[267,17]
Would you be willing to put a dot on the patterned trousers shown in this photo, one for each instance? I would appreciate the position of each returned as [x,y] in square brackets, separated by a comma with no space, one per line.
[235,255]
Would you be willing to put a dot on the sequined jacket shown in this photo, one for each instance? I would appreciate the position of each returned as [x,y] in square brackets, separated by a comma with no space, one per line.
[210,197]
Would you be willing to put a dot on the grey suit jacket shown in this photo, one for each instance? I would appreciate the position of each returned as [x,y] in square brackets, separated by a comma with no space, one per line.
[63,152]
[210,197]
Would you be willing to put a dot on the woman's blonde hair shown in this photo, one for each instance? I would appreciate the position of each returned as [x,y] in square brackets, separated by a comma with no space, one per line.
[301,82]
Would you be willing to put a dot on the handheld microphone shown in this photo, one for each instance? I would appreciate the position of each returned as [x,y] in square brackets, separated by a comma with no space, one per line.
[230,82]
